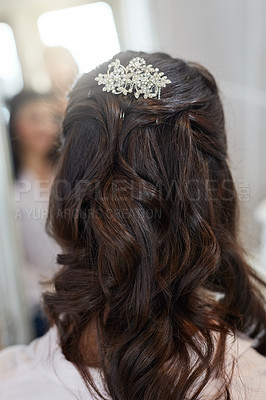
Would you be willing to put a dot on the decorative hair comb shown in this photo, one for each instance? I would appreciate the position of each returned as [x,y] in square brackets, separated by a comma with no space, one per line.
[136,77]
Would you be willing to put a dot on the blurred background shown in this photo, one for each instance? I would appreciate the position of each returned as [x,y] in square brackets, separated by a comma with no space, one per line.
[44,47]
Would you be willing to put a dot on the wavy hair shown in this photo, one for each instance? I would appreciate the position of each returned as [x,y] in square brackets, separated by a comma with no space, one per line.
[145,210]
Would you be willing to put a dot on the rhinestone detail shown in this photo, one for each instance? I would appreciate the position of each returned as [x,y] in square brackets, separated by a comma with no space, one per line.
[137,77]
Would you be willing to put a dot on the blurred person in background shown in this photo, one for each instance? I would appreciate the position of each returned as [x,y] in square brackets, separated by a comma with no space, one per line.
[62,70]
[34,133]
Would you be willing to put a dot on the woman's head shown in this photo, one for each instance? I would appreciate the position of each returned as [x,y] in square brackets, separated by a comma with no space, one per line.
[144,208]
[174,147]
[34,125]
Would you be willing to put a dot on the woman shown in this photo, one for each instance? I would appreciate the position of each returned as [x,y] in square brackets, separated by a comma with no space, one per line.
[154,299]
[34,134]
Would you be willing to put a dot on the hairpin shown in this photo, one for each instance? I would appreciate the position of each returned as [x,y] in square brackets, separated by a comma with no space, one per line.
[122,115]
[136,77]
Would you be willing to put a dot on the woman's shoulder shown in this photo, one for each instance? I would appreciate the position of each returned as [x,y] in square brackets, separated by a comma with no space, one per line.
[40,371]
[24,376]
[247,354]
[249,371]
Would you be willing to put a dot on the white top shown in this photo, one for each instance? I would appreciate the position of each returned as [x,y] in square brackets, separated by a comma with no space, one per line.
[39,371]
[39,250]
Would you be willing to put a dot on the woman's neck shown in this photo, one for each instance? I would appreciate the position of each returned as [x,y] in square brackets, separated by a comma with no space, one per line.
[39,166]
[89,346]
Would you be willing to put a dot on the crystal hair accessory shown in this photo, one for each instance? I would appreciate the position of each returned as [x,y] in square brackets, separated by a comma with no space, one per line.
[137,77]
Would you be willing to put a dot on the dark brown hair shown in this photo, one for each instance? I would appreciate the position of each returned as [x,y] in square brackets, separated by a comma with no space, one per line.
[145,210]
